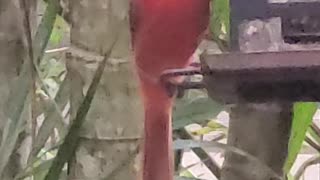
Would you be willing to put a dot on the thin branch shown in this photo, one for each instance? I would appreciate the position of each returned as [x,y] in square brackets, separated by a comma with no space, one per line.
[315,128]
[202,154]
[312,144]
[312,161]
[58,50]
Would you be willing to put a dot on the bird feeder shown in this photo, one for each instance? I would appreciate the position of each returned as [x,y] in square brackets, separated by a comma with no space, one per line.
[286,76]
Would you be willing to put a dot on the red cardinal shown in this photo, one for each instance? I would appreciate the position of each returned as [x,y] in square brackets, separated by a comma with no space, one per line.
[165,34]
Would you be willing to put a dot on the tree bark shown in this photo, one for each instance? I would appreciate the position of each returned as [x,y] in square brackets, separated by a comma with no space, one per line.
[110,136]
[262,130]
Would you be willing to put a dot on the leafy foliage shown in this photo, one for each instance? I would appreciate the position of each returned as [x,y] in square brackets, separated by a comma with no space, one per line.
[18,100]
[194,109]
[220,23]
[71,140]
[45,29]
[16,106]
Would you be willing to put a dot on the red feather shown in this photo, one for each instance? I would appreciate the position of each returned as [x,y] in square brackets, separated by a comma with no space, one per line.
[165,34]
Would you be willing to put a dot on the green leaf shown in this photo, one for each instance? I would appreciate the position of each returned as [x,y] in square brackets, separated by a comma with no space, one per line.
[302,118]
[44,158]
[187,174]
[18,98]
[51,68]
[39,171]
[215,125]
[191,110]
[203,131]
[52,120]
[289,176]
[16,106]
[45,28]
[58,31]
[220,22]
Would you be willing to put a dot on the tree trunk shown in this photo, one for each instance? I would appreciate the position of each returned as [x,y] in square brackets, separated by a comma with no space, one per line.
[262,130]
[110,136]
